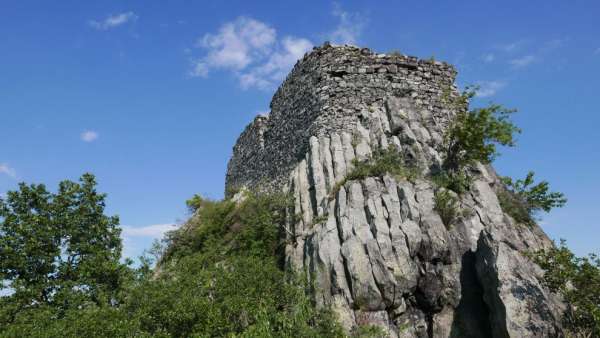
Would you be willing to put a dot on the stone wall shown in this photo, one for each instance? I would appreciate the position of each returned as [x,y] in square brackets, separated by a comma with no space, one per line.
[332,89]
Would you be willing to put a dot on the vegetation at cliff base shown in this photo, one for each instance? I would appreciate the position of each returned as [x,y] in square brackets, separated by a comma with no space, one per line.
[219,275]
[577,279]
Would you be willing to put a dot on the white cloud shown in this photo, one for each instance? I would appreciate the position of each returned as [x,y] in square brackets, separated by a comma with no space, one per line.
[278,64]
[490,57]
[349,28]
[523,61]
[235,46]
[7,170]
[251,51]
[155,230]
[138,239]
[489,88]
[113,21]
[258,58]
[89,136]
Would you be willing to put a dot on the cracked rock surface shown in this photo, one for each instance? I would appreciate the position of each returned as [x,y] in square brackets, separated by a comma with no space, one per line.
[376,248]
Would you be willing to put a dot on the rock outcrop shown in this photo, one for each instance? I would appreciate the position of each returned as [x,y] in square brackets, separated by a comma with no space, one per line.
[376,249]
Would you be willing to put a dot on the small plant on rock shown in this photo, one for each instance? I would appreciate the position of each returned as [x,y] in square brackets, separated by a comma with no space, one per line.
[381,162]
[446,204]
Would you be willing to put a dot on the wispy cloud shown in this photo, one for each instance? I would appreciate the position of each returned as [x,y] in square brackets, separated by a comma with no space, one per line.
[522,61]
[554,44]
[250,50]
[8,170]
[349,28]
[89,136]
[511,46]
[489,88]
[113,21]
[489,57]
[155,230]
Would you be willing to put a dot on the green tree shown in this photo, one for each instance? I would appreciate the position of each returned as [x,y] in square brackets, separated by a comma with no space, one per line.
[523,200]
[474,134]
[59,249]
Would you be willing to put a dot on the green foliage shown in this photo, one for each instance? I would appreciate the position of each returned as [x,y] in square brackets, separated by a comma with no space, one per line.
[369,331]
[522,199]
[381,162]
[457,181]
[474,133]
[578,280]
[446,204]
[319,219]
[194,203]
[219,275]
[223,277]
[395,52]
[59,249]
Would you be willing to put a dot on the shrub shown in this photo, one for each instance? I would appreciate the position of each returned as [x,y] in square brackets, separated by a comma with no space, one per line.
[522,200]
[369,331]
[473,134]
[578,280]
[446,204]
[381,162]
[459,182]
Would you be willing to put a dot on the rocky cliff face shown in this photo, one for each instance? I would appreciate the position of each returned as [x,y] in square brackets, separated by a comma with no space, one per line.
[376,248]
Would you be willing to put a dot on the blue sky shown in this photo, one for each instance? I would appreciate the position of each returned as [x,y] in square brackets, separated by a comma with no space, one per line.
[150,96]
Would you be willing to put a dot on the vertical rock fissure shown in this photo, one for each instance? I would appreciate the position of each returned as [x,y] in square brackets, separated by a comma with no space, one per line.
[472,316]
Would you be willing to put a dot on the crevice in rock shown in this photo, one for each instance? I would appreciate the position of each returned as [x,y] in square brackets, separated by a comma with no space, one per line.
[489,280]
[472,316]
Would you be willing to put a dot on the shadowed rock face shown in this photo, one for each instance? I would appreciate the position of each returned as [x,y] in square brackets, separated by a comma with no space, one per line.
[376,249]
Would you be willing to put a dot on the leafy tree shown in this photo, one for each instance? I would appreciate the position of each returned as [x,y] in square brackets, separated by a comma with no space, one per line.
[522,199]
[59,249]
[221,274]
[578,280]
[474,133]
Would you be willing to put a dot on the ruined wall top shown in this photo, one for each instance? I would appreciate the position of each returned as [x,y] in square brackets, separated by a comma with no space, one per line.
[333,89]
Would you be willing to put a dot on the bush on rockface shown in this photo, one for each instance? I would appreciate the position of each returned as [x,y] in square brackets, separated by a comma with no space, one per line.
[578,280]
[474,133]
[378,164]
[446,204]
[472,137]
[522,200]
